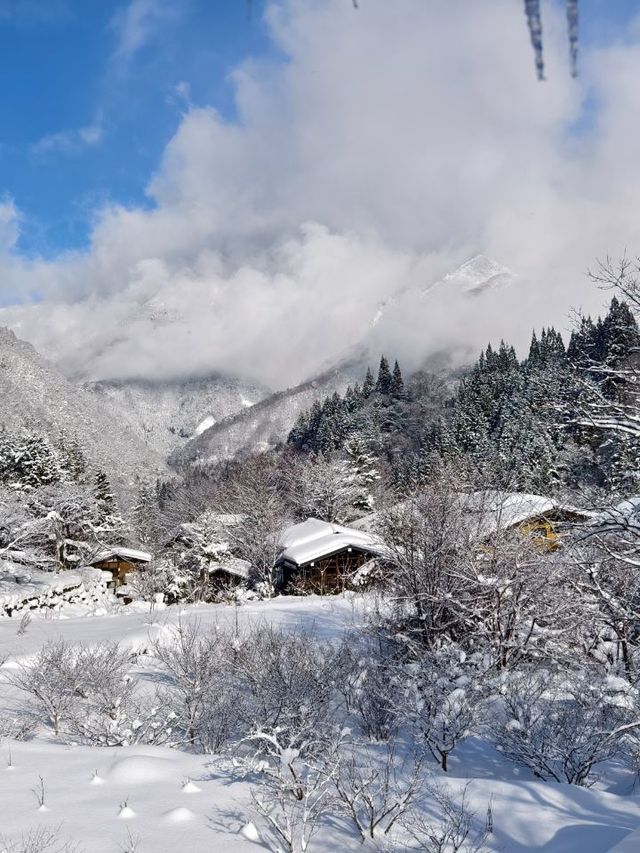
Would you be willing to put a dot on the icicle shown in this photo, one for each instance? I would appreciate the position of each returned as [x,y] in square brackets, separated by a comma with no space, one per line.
[532,11]
[572,22]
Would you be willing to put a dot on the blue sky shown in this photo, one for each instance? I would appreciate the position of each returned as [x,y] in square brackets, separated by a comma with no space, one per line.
[85,115]
[84,118]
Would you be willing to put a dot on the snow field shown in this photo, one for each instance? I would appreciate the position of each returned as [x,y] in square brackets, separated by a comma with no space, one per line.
[170,800]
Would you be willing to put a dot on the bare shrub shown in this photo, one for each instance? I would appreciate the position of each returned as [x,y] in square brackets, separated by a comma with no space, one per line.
[375,788]
[51,680]
[40,840]
[561,726]
[454,829]
[201,693]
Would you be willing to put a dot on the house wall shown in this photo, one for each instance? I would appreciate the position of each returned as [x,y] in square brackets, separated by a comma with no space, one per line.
[118,568]
[327,575]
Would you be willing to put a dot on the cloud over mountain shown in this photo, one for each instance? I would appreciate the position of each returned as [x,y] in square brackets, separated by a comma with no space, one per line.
[388,146]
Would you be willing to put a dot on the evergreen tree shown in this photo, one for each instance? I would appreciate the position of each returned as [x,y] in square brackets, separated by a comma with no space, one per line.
[30,460]
[397,383]
[365,472]
[72,459]
[384,380]
[620,336]
[104,497]
[533,359]
[368,384]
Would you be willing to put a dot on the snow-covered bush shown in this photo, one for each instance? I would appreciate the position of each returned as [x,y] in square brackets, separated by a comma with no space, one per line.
[51,682]
[201,695]
[369,683]
[88,694]
[288,683]
[442,701]
[454,828]
[561,725]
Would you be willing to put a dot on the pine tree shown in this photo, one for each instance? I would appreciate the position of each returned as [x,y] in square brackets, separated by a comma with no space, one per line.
[31,461]
[299,433]
[104,497]
[365,472]
[72,458]
[620,336]
[368,384]
[384,380]
[397,383]
[533,359]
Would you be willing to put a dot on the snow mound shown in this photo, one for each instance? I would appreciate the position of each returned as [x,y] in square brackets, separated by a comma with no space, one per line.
[251,833]
[179,815]
[190,788]
[126,813]
[140,769]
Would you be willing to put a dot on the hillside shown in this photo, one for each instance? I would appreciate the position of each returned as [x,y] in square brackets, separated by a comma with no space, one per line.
[267,423]
[33,393]
[166,414]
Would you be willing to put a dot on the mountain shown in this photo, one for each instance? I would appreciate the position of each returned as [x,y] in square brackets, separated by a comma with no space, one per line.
[475,277]
[166,414]
[268,422]
[34,394]
[444,323]
[474,285]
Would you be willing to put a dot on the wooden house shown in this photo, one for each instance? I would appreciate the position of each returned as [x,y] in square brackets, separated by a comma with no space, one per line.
[316,556]
[490,514]
[120,562]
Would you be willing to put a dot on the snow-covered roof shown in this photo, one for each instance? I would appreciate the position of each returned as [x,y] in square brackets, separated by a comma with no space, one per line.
[125,554]
[313,539]
[489,511]
[484,513]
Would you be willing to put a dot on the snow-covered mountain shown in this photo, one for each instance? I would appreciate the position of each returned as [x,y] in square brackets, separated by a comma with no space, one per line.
[34,394]
[475,277]
[167,414]
[195,419]
[448,320]
[268,422]
[474,284]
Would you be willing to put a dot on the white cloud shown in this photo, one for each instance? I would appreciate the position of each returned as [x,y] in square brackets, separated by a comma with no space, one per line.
[134,25]
[397,141]
[70,141]
[9,225]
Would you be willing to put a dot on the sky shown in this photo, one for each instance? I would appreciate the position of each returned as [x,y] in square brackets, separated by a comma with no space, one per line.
[200,186]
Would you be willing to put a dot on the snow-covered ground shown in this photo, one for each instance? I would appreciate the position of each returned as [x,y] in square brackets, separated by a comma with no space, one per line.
[103,798]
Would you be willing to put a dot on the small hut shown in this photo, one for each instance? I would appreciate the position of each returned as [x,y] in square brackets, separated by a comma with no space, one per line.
[120,562]
[316,556]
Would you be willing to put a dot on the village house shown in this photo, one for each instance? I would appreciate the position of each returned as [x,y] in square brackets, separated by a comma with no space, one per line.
[316,556]
[491,513]
[488,514]
[120,562]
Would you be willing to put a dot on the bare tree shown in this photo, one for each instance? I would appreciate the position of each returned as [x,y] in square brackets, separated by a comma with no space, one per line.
[258,496]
